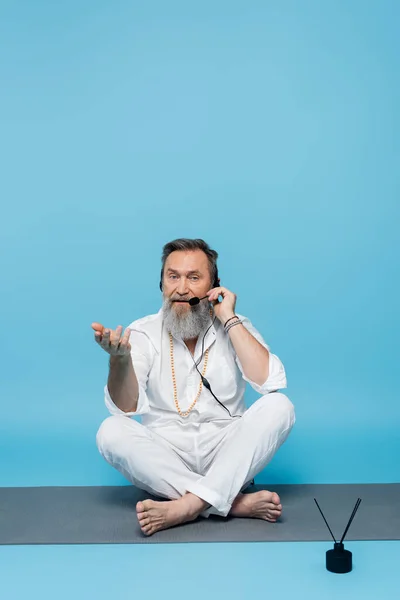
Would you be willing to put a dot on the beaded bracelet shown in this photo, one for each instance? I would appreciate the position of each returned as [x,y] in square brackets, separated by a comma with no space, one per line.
[233,325]
[234,317]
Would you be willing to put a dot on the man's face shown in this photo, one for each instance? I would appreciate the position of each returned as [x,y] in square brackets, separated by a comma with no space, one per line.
[186,275]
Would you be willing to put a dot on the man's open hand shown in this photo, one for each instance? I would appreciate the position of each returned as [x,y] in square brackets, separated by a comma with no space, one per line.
[111,341]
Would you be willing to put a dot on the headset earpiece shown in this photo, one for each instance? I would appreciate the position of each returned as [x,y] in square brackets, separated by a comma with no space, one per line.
[216,280]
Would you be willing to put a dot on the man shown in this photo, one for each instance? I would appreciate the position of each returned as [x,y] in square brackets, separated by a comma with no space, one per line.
[184,370]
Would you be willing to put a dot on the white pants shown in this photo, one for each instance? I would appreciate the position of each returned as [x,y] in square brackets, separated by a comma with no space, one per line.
[214,460]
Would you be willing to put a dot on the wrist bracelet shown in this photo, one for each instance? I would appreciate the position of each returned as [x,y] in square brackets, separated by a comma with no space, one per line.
[233,325]
[234,317]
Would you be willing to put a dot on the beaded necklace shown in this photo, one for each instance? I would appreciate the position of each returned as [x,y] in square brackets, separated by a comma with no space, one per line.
[171,352]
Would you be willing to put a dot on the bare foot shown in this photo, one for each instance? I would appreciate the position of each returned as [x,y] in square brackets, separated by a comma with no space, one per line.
[154,516]
[258,505]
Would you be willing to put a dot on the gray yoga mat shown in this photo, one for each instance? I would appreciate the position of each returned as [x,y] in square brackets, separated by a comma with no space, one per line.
[106,515]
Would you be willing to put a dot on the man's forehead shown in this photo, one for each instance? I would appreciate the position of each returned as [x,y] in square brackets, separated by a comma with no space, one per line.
[187,261]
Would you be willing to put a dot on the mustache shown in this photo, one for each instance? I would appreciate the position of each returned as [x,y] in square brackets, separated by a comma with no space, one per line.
[180,299]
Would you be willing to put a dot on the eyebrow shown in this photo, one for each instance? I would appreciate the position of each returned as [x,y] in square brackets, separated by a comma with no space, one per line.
[187,272]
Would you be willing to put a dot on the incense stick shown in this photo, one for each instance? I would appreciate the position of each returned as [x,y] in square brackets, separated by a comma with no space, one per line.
[353,514]
[325,520]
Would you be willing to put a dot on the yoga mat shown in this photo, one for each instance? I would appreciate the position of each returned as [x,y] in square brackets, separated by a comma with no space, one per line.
[106,515]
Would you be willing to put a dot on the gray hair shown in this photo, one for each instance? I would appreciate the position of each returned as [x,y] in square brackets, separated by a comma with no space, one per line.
[190,244]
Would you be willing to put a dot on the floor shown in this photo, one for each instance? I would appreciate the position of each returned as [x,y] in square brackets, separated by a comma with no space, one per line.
[197,571]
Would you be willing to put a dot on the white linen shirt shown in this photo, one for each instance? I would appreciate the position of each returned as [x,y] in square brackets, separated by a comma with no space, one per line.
[150,352]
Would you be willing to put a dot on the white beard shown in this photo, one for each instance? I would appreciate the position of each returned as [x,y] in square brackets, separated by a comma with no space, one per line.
[185,322]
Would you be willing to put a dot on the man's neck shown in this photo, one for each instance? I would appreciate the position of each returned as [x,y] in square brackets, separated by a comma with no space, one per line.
[191,345]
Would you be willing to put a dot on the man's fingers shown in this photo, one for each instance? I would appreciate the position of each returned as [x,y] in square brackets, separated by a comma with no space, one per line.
[115,337]
[111,340]
[124,346]
[105,341]
[126,335]
[98,330]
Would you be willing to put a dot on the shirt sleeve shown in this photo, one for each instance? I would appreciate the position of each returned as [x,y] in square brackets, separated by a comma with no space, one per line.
[142,354]
[276,377]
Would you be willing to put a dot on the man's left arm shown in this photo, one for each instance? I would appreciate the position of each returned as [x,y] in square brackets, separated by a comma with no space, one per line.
[253,357]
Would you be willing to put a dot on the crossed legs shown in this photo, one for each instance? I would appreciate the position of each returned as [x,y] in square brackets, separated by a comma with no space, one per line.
[240,451]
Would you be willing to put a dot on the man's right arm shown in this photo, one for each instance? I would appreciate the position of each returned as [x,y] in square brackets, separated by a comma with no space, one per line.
[131,358]
[122,383]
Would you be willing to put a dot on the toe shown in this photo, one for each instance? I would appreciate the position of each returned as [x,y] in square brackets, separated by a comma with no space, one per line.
[140,507]
[148,504]
[144,521]
[275,498]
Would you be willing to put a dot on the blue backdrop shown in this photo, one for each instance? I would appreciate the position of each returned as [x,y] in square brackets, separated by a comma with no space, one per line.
[270,129]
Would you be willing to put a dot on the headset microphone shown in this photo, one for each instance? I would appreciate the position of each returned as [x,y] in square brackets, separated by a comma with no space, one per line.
[192,301]
[195,300]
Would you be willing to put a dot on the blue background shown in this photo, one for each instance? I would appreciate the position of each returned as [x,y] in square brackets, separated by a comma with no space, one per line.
[270,129]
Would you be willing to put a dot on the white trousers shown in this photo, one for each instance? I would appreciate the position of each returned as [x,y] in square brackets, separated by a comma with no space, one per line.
[213,460]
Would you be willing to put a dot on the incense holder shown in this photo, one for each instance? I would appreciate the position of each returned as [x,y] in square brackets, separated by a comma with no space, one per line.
[339,560]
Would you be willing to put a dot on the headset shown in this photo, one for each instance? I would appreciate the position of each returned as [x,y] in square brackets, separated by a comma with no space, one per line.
[196,300]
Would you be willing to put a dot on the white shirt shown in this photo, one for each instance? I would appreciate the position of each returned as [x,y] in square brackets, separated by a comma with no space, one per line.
[151,360]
